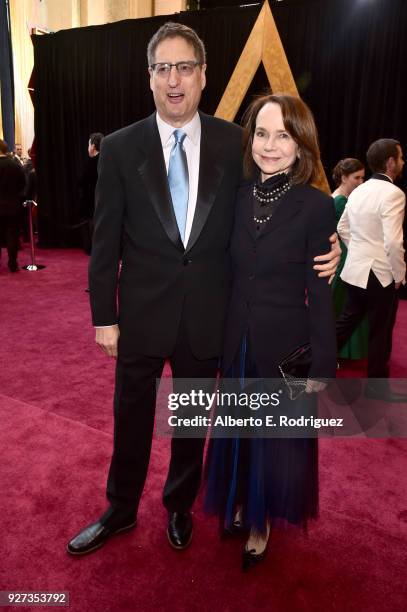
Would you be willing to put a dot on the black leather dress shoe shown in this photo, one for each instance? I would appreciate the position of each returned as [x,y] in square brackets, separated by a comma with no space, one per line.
[250,558]
[385,395]
[95,535]
[179,529]
[13,266]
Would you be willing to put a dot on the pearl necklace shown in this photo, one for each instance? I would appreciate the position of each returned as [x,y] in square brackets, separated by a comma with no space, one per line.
[270,196]
[267,197]
[264,220]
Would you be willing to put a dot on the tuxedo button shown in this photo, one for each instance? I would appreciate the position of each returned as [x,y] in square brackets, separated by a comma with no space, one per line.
[252,277]
[186,262]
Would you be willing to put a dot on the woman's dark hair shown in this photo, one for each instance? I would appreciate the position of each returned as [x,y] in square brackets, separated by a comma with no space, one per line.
[299,123]
[344,167]
[379,152]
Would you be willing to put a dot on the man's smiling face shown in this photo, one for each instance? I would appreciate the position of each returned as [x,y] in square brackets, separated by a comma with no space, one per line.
[176,97]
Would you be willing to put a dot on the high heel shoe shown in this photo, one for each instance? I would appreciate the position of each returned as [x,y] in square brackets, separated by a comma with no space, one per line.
[234,530]
[250,558]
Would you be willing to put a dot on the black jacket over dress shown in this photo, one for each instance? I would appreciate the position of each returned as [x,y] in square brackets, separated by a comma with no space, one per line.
[278,302]
[277,296]
[159,278]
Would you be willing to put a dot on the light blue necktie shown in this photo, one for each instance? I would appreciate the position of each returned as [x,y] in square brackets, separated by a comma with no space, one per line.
[178,181]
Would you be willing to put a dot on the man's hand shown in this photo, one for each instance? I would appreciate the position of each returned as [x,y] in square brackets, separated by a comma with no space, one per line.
[314,386]
[331,259]
[398,285]
[107,338]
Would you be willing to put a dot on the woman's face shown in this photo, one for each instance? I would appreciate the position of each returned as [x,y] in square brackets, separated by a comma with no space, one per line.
[273,149]
[353,180]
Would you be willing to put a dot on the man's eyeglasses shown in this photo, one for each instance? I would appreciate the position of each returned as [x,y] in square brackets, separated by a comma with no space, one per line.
[163,69]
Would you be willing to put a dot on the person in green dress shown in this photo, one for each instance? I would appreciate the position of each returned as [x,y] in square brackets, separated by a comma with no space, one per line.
[348,174]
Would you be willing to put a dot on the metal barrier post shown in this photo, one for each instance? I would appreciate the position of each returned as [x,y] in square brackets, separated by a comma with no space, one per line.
[33,267]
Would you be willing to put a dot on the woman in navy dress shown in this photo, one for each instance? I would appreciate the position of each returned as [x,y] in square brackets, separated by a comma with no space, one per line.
[277,304]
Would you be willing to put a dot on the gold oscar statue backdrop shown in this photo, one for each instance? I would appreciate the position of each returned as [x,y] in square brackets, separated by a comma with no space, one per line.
[263,45]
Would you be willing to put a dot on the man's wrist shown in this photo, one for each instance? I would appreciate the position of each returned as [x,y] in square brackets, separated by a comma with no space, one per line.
[104,326]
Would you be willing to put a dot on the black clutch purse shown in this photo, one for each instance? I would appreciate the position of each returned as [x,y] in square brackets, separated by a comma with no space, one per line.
[294,369]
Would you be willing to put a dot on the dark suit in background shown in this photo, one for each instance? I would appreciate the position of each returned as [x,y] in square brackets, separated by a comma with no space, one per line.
[12,187]
[87,185]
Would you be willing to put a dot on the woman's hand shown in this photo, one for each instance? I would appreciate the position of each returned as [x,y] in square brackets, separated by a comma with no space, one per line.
[314,386]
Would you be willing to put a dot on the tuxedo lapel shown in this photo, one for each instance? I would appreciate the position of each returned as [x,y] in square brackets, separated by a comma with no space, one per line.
[154,175]
[211,170]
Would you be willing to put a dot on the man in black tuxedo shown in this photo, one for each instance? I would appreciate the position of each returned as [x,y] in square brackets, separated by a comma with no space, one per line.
[175,277]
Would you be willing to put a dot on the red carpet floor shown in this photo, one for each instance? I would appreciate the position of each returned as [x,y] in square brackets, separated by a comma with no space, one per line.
[55,439]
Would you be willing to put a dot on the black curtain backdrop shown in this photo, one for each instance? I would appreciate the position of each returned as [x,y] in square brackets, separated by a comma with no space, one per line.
[347,57]
[6,75]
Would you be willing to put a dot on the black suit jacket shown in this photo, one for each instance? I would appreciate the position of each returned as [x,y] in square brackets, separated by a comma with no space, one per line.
[277,296]
[87,185]
[134,218]
[12,186]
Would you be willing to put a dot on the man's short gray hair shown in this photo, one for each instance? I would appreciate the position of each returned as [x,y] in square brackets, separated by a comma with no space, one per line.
[174,30]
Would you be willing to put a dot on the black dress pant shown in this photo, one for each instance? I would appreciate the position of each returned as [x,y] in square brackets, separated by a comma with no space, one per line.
[9,230]
[380,305]
[87,233]
[134,409]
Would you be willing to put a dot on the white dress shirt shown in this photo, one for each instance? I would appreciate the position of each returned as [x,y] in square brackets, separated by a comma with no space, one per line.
[372,228]
[192,146]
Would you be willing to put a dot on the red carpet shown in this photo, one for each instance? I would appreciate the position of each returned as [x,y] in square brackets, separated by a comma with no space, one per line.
[55,436]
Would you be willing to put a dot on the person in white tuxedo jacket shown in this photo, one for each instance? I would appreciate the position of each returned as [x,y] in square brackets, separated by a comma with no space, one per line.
[372,229]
